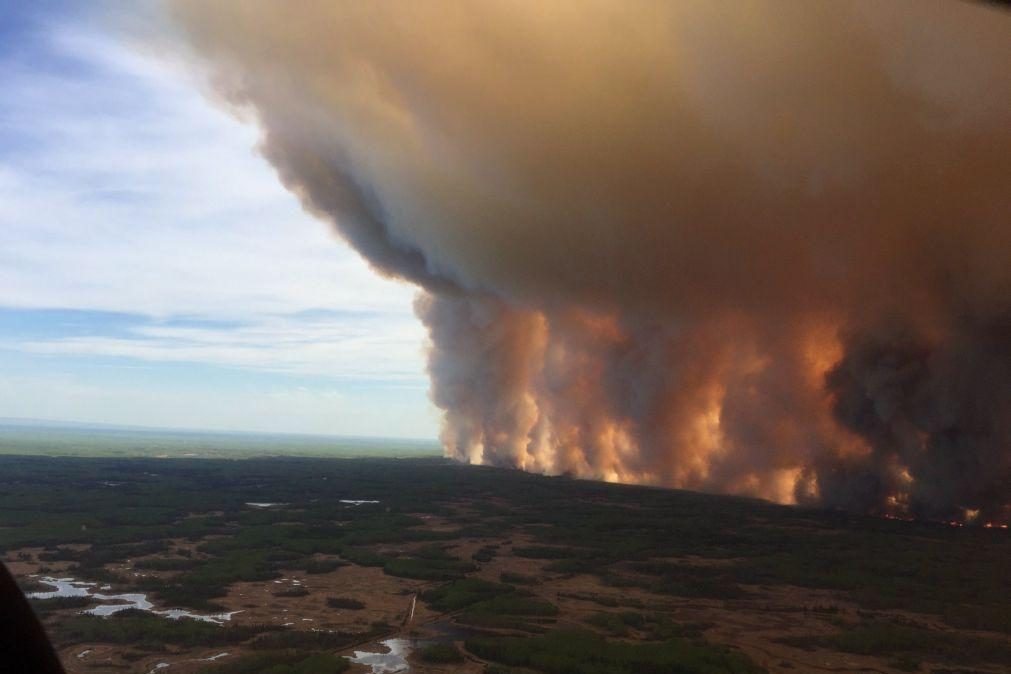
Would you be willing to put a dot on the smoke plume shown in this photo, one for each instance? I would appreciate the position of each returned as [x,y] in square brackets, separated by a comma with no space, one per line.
[752,246]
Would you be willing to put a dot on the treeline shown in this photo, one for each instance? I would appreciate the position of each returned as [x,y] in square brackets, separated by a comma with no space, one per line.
[566,652]
[911,643]
[144,630]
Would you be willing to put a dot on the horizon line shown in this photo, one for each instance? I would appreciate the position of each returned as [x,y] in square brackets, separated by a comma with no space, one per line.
[37,422]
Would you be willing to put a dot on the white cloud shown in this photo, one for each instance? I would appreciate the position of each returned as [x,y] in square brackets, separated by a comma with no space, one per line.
[367,348]
[122,189]
[136,194]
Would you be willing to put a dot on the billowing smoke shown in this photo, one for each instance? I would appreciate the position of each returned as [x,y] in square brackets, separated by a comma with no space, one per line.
[752,246]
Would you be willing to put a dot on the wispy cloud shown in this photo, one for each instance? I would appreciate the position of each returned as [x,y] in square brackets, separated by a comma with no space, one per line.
[122,188]
[374,348]
[124,192]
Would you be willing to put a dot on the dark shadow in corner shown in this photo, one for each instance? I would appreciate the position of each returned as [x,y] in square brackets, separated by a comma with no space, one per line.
[24,647]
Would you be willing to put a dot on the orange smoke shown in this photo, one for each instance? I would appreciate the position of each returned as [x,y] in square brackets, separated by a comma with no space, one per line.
[757,246]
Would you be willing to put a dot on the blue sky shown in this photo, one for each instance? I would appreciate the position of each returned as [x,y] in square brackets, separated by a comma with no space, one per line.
[152,269]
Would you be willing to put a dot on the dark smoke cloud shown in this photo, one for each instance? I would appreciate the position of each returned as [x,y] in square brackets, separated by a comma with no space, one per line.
[759,246]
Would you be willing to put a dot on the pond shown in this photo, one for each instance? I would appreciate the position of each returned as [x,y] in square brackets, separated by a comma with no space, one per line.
[387,663]
[114,603]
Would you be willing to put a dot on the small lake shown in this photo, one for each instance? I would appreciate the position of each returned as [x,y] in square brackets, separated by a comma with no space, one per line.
[346,501]
[387,663]
[114,603]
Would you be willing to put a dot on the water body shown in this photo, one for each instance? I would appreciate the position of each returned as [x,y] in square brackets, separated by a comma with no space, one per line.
[114,603]
[65,587]
[387,663]
[123,602]
[345,501]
